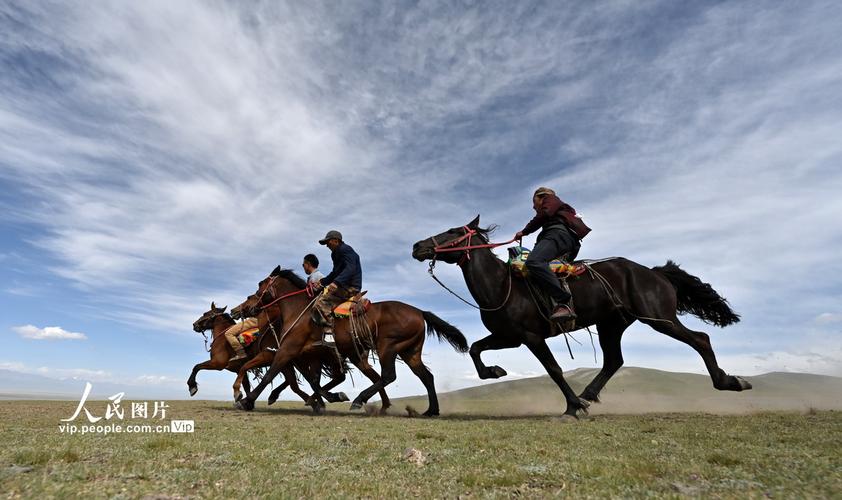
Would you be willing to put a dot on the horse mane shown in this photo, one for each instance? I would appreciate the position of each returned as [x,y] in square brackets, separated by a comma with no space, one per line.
[296,280]
[486,231]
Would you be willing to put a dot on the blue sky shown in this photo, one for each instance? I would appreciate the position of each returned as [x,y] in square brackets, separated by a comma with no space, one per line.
[155,156]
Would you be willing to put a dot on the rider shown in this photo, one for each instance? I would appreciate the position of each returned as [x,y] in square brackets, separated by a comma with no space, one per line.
[343,282]
[232,334]
[311,269]
[562,231]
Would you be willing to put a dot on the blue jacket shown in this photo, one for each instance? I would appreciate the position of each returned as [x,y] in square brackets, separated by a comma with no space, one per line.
[347,271]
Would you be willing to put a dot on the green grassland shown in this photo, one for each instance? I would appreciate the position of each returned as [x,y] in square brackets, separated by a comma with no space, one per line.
[284,451]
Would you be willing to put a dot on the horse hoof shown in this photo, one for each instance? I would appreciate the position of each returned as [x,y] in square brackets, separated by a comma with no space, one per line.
[271,401]
[356,405]
[194,390]
[429,413]
[244,404]
[493,372]
[744,385]
[318,409]
[590,398]
[343,397]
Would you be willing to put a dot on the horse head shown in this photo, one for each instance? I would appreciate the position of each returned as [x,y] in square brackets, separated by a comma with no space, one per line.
[205,322]
[426,249]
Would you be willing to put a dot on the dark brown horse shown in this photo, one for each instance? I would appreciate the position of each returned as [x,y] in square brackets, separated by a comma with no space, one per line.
[312,363]
[397,329]
[612,295]
[217,320]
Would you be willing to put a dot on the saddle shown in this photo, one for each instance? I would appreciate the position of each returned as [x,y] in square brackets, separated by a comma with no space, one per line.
[356,306]
[563,270]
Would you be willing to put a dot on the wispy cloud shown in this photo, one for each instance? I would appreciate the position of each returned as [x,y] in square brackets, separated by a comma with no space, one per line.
[57,373]
[47,333]
[173,153]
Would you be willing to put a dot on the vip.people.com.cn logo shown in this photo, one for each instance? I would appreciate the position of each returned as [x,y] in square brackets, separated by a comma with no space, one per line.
[111,421]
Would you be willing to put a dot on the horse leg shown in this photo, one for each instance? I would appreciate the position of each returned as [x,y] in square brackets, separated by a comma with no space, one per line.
[387,376]
[314,368]
[610,334]
[292,381]
[261,359]
[700,341]
[277,392]
[417,366]
[491,343]
[281,359]
[340,396]
[367,370]
[214,363]
[538,346]
[313,377]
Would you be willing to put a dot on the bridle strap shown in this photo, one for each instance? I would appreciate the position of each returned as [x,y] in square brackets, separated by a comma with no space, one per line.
[282,297]
[450,246]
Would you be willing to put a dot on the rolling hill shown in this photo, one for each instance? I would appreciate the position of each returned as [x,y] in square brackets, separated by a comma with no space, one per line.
[643,390]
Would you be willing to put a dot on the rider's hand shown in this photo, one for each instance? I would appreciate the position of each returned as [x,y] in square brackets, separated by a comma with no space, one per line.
[519,235]
[332,288]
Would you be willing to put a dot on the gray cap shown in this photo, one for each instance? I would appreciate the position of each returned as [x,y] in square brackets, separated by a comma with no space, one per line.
[331,235]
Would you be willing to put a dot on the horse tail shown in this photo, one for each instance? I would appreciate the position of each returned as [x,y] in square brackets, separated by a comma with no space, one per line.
[331,370]
[445,331]
[697,297]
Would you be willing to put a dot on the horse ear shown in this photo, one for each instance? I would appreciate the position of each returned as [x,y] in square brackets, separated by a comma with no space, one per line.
[213,306]
[474,223]
[275,271]
[223,309]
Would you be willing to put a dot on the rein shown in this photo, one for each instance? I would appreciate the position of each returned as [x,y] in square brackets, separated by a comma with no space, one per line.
[451,247]
[282,297]
[263,307]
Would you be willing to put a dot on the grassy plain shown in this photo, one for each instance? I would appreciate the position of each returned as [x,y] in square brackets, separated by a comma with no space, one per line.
[284,451]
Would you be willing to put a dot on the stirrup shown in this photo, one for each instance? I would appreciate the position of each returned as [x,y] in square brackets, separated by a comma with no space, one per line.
[325,342]
[560,315]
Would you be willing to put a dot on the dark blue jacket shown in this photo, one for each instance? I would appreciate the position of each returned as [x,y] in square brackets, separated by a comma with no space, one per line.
[347,271]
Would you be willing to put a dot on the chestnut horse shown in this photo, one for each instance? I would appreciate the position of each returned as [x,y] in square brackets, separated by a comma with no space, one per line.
[612,295]
[312,363]
[397,329]
[217,320]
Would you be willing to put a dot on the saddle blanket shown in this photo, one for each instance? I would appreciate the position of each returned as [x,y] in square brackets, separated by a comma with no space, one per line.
[358,305]
[517,259]
[246,337]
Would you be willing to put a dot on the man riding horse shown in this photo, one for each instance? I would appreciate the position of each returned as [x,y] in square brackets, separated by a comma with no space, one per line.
[562,231]
[343,282]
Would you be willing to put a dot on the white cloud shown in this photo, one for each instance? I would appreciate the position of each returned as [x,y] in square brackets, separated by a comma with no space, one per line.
[157,380]
[828,318]
[57,373]
[47,333]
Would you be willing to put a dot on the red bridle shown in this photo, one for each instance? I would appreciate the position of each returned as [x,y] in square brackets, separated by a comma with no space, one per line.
[278,299]
[450,246]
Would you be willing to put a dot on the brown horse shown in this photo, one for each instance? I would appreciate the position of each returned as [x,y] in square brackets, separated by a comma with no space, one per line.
[311,363]
[217,320]
[397,329]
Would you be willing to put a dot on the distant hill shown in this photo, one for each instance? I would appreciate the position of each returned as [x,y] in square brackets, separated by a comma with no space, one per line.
[17,385]
[630,391]
[643,390]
